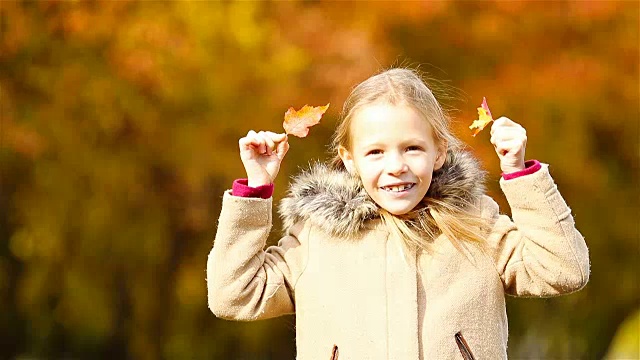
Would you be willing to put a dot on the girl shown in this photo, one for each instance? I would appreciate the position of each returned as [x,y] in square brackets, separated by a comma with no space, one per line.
[392,250]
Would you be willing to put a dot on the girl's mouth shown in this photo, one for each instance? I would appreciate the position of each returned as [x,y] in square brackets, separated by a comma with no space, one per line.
[398,188]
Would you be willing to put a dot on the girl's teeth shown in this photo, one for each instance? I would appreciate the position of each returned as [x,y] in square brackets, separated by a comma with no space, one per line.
[398,188]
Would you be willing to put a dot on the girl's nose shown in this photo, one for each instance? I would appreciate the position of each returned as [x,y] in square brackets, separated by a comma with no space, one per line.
[395,164]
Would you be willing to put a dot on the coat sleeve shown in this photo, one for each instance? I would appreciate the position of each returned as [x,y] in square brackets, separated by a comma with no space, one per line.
[244,281]
[540,252]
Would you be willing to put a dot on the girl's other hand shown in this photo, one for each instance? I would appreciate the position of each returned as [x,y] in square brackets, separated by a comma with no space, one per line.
[510,141]
[261,155]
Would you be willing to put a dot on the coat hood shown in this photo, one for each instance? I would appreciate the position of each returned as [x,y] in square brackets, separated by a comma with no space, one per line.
[337,202]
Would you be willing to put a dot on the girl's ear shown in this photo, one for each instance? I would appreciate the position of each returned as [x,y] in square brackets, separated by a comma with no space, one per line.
[442,155]
[347,159]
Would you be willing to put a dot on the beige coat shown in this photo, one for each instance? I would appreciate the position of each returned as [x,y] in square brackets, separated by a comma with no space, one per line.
[371,299]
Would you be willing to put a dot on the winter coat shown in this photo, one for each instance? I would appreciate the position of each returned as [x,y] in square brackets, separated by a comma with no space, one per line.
[357,292]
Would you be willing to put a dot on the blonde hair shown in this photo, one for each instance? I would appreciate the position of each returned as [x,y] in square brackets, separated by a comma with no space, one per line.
[431,217]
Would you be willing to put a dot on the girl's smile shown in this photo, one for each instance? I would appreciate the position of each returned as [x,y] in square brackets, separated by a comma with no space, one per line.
[394,152]
[398,188]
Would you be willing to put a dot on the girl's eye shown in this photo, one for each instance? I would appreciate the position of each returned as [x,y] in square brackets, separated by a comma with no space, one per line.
[374,152]
[414,148]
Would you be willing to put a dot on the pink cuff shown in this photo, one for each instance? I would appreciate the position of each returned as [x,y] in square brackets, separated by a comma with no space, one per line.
[241,188]
[530,167]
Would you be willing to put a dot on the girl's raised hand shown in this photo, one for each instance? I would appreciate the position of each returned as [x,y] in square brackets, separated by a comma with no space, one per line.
[261,155]
[510,141]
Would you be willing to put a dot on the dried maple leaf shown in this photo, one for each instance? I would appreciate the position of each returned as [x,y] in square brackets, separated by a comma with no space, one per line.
[297,123]
[484,118]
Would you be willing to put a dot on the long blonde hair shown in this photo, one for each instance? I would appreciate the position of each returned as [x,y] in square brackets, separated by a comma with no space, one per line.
[431,217]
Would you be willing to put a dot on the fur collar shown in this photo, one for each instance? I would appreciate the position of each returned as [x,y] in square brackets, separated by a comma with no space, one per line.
[336,202]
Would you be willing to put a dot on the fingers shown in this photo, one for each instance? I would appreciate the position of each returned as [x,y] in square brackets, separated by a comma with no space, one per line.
[283,147]
[509,139]
[504,130]
[264,142]
[506,147]
[253,141]
[277,137]
[509,135]
[268,141]
[504,123]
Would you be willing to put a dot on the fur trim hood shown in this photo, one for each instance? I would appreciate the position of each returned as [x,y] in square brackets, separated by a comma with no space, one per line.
[337,202]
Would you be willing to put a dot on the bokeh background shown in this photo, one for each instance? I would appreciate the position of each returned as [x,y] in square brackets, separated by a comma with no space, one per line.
[119,128]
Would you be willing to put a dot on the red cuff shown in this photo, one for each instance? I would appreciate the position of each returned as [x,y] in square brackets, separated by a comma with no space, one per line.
[530,167]
[241,188]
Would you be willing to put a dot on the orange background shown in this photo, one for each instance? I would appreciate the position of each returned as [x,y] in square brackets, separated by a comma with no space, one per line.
[119,129]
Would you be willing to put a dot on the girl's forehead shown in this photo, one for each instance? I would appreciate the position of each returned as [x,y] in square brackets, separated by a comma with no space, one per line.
[381,122]
[385,116]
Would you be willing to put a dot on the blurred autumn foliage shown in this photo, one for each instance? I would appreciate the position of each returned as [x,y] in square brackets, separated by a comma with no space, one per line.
[119,128]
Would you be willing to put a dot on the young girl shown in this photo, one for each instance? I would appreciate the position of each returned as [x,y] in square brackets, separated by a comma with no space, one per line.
[392,250]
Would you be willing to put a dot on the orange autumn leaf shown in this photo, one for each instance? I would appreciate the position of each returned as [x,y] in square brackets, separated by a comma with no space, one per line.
[297,123]
[484,118]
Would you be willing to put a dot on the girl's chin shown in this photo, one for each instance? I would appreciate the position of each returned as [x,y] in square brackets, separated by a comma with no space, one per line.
[397,209]
[397,204]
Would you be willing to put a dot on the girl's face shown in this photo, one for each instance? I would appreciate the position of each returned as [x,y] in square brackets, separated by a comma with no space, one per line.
[394,153]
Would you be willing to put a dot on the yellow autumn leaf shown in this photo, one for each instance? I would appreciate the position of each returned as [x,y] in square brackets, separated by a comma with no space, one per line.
[484,118]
